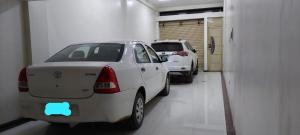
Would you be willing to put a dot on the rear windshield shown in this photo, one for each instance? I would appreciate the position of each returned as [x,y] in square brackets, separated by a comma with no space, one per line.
[167,47]
[104,52]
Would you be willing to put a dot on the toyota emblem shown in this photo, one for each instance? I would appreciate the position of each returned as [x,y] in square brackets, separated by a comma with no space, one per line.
[57,74]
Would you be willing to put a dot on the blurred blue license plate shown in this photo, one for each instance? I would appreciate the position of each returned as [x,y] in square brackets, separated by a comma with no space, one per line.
[62,109]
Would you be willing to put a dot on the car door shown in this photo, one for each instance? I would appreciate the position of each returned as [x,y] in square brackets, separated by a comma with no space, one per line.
[146,69]
[159,76]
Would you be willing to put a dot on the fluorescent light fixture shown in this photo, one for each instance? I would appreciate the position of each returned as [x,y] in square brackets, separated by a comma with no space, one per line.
[129,2]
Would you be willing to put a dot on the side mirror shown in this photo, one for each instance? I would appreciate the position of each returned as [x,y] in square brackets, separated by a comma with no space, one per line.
[194,50]
[164,59]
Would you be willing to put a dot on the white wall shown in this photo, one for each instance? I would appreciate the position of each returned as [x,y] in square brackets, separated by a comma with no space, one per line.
[262,66]
[11,58]
[56,24]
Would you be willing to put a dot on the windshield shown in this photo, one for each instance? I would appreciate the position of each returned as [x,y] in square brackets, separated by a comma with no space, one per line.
[167,47]
[103,52]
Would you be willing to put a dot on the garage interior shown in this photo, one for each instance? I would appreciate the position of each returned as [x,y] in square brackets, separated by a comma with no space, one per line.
[248,82]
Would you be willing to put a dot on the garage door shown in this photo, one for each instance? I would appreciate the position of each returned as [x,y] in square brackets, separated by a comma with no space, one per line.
[191,30]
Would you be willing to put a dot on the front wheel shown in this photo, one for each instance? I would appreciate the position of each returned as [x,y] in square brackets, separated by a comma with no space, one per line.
[137,117]
[166,90]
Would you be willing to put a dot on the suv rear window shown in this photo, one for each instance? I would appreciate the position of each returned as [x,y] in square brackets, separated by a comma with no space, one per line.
[103,52]
[167,47]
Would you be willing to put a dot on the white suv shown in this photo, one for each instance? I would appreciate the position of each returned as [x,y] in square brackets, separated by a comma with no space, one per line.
[180,56]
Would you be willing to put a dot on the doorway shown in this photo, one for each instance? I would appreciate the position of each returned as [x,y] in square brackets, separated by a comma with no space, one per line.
[215,44]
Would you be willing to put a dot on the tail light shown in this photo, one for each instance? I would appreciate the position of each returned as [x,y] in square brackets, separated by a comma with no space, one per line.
[183,53]
[23,82]
[107,82]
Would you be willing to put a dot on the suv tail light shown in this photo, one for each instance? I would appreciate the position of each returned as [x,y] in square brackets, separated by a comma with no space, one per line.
[23,82]
[107,82]
[183,53]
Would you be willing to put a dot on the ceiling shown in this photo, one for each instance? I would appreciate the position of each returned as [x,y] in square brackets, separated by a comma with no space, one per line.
[175,3]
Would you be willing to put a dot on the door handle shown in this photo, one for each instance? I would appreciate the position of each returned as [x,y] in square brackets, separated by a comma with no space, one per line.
[156,68]
[143,69]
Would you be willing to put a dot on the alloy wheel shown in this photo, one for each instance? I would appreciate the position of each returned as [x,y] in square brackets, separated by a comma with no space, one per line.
[139,110]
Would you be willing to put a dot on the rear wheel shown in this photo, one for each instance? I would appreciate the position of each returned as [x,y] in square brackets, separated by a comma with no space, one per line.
[197,69]
[166,90]
[189,76]
[137,117]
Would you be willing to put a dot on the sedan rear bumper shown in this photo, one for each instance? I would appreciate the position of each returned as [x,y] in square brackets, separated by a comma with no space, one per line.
[98,108]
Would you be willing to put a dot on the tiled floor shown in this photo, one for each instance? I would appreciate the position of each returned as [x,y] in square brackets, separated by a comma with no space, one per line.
[190,109]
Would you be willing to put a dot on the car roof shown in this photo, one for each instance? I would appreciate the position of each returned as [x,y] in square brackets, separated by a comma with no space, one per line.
[176,41]
[126,42]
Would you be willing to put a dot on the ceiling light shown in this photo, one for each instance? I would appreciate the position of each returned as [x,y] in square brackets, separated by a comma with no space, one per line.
[129,2]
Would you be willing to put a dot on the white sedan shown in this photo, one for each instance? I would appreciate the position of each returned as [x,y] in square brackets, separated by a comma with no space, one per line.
[94,82]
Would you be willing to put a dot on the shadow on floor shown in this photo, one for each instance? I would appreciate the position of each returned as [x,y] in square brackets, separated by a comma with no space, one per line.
[179,80]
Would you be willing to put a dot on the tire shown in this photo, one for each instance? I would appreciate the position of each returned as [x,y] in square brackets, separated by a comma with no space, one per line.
[166,90]
[137,117]
[197,69]
[189,76]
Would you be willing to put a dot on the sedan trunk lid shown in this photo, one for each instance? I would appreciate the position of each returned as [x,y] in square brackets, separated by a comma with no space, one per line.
[64,79]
